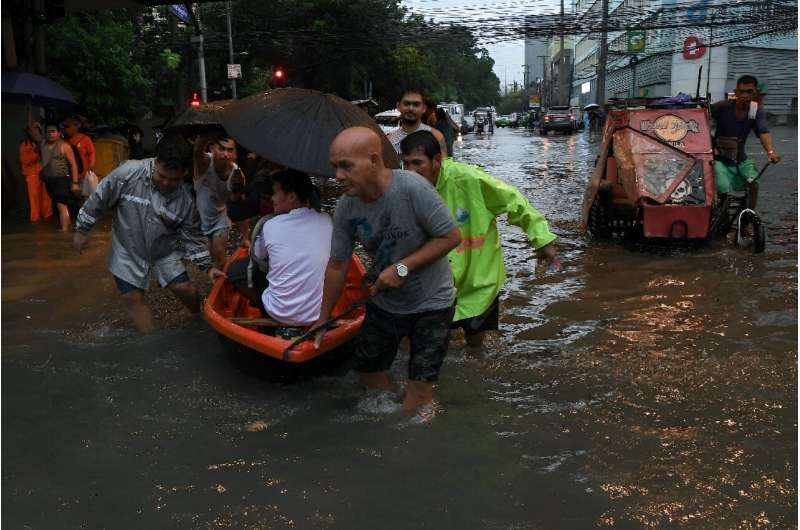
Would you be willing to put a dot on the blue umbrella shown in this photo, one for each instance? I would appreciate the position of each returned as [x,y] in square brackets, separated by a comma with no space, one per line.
[34,86]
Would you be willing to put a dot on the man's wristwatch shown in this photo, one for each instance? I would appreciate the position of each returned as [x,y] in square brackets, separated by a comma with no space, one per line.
[402,270]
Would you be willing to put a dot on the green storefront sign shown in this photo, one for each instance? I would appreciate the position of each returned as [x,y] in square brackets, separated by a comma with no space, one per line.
[636,41]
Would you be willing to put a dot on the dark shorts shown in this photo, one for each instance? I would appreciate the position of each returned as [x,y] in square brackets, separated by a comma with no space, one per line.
[382,331]
[489,320]
[59,192]
[237,275]
[125,287]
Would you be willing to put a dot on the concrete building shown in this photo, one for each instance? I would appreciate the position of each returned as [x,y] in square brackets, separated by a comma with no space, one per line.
[560,70]
[535,49]
[672,59]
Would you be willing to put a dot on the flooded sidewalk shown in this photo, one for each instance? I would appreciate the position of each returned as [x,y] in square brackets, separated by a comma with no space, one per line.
[639,388]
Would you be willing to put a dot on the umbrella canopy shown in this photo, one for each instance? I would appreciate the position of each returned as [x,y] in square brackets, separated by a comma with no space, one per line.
[591,106]
[34,86]
[294,127]
[197,119]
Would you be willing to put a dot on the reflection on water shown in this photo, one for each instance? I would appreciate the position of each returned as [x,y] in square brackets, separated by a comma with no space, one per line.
[635,388]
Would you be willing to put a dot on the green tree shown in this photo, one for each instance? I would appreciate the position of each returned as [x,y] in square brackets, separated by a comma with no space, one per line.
[91,56]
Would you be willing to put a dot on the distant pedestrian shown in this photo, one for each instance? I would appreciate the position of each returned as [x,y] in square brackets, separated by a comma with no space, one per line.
[82,141]
[59,173]
[407,231]
[475,199]
[153,211]
[31,165]
[448,128]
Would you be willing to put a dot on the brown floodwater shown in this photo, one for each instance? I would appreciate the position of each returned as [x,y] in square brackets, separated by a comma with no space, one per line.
[640,387]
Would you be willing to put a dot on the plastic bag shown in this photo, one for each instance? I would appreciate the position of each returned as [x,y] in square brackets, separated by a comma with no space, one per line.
[89,183]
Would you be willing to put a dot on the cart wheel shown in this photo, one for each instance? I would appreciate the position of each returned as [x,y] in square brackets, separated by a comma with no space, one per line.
[759,237]
[598,220]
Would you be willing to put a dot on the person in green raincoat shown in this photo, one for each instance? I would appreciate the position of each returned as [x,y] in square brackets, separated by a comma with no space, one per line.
[475,199]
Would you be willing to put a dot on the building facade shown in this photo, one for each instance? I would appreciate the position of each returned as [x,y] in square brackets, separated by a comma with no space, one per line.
[672,59]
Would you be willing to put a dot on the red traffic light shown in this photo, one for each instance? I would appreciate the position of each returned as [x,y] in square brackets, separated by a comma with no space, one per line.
[278,76]
[195,101]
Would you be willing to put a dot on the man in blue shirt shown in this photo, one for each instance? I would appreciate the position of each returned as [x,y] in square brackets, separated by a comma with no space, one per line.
[735,119]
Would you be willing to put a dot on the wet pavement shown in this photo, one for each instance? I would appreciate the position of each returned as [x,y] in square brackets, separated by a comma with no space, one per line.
[637,388]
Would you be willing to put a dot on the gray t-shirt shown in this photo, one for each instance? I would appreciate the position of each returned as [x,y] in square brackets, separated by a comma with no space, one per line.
[212,194]
[408,214]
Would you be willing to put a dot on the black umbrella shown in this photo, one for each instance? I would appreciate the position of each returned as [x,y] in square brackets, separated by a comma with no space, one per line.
[198,119]
[294,127]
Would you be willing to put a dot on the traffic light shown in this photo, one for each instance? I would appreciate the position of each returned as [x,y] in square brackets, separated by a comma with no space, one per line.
[278,76]
[195,101]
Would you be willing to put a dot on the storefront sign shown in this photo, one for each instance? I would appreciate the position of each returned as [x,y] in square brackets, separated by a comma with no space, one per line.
[693,48]
[636,41]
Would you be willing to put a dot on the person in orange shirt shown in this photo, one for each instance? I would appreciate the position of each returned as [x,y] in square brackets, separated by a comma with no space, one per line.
[84,144]
[31,164]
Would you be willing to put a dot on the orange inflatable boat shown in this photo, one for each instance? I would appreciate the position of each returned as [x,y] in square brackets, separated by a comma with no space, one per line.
[231,315]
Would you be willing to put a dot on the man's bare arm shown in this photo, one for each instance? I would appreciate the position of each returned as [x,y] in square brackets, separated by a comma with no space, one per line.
[766,142]
[199,156]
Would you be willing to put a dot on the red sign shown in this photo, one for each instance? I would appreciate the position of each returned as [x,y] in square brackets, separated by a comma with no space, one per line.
[693,48]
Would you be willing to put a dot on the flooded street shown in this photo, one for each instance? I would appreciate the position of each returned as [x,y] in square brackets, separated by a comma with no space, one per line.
[637,388]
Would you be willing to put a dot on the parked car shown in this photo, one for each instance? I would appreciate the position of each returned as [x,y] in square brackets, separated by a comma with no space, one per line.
[388,120]
[503,121]
[558,119]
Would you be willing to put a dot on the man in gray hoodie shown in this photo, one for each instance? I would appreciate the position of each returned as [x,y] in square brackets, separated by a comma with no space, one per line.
[153,212]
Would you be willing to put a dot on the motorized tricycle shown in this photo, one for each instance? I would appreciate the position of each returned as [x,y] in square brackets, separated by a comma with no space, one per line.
[654,178]
[484,121]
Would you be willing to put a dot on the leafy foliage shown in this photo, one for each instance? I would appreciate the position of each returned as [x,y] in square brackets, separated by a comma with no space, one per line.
[118,63]
[91,55]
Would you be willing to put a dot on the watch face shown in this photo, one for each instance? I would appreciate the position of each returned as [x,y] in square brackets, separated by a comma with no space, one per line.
[402,270]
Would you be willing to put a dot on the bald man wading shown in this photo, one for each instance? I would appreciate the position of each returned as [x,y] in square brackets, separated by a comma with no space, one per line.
[407,231]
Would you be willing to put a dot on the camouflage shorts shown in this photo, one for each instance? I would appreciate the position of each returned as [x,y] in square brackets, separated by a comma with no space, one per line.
[382,331]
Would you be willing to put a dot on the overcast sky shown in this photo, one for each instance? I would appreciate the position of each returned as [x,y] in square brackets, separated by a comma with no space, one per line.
[508,56]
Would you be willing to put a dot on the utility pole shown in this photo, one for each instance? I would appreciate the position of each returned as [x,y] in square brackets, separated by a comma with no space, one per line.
[230,50]
[603,58]
[544,79]
[561,60]
[571,80]
[197,38]
[505,78]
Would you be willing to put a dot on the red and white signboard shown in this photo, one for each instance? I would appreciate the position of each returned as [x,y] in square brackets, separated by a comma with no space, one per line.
[693,48]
